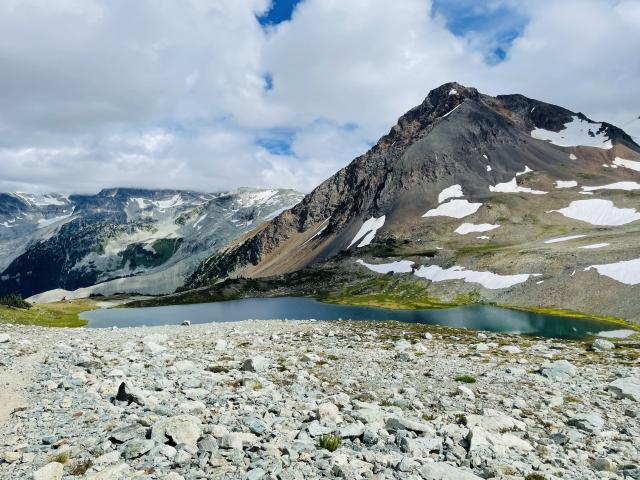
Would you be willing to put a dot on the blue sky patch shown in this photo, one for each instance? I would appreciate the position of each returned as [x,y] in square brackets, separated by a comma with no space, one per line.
[277,141]
[280,11]
[493,26]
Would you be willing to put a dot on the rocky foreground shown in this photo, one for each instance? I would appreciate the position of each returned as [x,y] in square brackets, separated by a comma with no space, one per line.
[271,399]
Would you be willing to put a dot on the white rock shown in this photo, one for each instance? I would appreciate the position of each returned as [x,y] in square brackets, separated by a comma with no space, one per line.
[601,344]
[328,413]
[628,387]
[221,345]
[466,392]
[444,471]
[4,338]
[51,471]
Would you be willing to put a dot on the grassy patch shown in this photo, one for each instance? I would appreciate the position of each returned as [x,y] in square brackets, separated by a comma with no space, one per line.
[330,442]
[465,379]
[392,293]
[57,314]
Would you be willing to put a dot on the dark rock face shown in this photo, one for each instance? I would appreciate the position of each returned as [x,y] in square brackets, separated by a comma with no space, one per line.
[439,142]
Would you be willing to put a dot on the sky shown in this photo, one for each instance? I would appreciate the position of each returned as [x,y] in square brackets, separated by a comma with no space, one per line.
[211,95]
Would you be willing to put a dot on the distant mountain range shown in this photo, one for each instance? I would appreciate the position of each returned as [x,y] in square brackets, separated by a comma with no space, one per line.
[504,199]
[121,240]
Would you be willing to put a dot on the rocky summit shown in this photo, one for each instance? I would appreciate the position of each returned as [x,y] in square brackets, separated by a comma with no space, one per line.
[302,400]
[505,198]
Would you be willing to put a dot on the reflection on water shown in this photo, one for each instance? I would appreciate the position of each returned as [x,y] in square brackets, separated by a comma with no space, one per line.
[481,317]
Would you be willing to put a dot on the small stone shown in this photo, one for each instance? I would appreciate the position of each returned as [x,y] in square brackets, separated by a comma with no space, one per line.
[600,344]
[603,465]
[444,471]
[238,440]
[628,387]
[514,349]
[186,323]
[255,364]
[221,345]
[466,392]
[254,424]
[51,471]
[402,423]
[136,448]
[11,457]
[328,413]
[558,370]
[255,474]
[588,421]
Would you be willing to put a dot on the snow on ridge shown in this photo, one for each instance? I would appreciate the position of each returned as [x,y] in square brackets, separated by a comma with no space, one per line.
[575,133]
[489,280]
[599,212]
[615,186]
[525,171]
[454,191]
[626,271]
[631,164]
[45,222]
[450,111]
[564,239]
[368,231]
[453,91]
[566,183]
[174,201]
[401,266]
[470,228]
[454,208]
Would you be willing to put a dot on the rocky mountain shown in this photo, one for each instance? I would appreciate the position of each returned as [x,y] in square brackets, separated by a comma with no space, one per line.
[512,199]
[121,240]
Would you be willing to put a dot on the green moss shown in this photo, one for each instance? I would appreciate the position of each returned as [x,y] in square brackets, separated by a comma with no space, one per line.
[57,314]
[392,293]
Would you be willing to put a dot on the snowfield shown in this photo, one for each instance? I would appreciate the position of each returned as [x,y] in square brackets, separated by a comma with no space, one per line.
[402,266]
[454,209]
[368,231]
[599,212]
[627,272]
[578,132]
[488,280]
[470,228]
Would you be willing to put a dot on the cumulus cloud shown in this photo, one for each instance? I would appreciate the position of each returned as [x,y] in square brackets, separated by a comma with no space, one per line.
[197,94]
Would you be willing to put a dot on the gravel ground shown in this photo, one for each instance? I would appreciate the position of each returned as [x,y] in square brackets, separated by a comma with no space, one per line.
[269,400]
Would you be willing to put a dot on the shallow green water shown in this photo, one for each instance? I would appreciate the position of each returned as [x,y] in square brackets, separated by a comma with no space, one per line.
[481,317]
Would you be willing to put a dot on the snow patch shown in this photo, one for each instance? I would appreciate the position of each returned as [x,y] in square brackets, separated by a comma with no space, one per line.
[368,231]
[566,183]
[454,208]
[615,186]
[564,239]
[623,333]
[621,162]
[525,171]
[512,187]
[488,280]
[572,157]
[599,212]
[453,91]
[626,271]
[402,266]
[199,220]
[578,132]
[595,245]
[45,222]
[471,227]
[453,191]
[488,168]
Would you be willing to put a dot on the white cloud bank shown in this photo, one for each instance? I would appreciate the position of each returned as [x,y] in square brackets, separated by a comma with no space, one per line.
[173,94]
